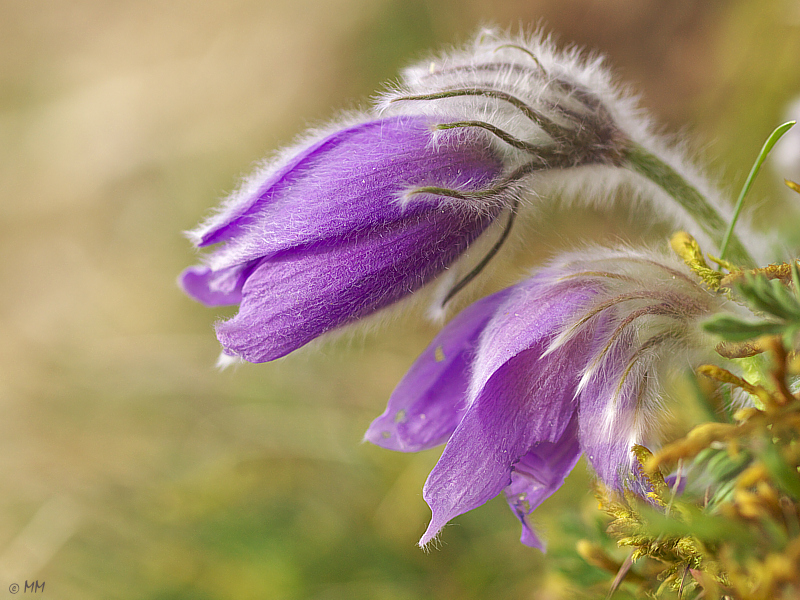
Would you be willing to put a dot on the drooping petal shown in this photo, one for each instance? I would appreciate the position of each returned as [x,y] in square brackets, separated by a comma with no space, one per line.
[330,237]
[537,475]
[349,185]
[650,307]
[565,366]
[536,310]
[232,218]
[216,288]
[427,405]
[527,400]
[612,414]
[291,299]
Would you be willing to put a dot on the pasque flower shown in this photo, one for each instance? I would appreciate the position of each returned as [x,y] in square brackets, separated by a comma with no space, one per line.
[524,381]
[335,231]
[367,211]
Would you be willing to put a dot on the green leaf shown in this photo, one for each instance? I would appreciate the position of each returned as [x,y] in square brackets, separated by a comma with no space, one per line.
[771,297]
[735,329]
[721,466]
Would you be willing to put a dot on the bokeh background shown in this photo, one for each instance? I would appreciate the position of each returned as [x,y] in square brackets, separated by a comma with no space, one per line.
[129,466]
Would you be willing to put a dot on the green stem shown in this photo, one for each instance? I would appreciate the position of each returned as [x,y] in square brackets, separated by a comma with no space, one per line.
[692,201]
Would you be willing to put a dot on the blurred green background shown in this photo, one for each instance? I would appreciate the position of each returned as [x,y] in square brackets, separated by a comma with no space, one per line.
[129,466]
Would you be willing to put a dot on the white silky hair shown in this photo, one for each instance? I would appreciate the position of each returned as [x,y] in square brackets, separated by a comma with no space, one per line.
[660,294]
[652,307]
[639,323]
[553,82]
[250,185]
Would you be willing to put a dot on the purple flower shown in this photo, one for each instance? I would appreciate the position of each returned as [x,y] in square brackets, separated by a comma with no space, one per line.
[345,226]
[362,215]
[524,381]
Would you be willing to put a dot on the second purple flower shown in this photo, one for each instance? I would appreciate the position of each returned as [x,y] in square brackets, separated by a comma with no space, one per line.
[522,382]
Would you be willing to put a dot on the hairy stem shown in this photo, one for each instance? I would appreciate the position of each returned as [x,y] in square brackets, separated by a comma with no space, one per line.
[689,198]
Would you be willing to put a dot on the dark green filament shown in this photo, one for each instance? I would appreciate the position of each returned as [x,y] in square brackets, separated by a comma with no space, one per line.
[489,256]
[516,175]
[548,126]
[526,51]
[506,137]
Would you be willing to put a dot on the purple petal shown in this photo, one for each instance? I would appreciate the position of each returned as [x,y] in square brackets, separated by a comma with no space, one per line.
[678,478]
[427,405]
[216,288]
[291,299]
[329,238]
[534,314]
[609,411]
[229,222]
[537,475]
[528,400]
[350,183]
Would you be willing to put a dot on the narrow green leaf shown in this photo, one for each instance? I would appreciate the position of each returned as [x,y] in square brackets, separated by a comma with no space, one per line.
[771,141]
[736,330]
[771,297]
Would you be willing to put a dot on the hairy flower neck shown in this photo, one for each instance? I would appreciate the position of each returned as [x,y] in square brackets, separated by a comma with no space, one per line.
[688,197]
